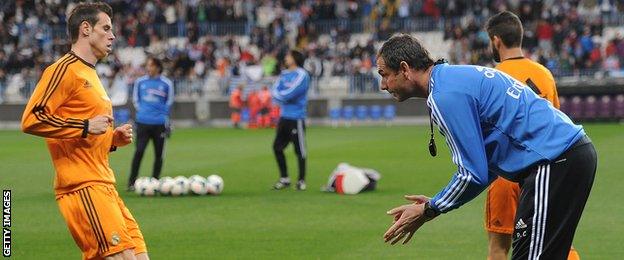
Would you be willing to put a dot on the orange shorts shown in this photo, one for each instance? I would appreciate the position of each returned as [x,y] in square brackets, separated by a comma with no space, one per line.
[100,222]
[500,206]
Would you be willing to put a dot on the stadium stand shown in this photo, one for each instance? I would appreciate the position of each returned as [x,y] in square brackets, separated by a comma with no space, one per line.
[210,47]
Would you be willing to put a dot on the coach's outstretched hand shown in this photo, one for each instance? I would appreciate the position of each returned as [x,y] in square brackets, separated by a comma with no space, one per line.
[122,135]
[407,219]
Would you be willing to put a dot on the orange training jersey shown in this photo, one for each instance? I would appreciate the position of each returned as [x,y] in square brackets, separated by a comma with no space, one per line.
[534,75]
[69,93]
[236,99]
[265,98]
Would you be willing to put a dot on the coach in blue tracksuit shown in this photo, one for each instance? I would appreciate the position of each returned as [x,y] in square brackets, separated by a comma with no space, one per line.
[153,97]
[290,92]
[494,125]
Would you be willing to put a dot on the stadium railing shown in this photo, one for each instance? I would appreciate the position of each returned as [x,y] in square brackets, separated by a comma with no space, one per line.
[19,91]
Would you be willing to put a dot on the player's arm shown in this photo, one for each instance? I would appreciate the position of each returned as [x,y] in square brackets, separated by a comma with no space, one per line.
[293,89]
[170,93]
[40,117]
[170,99]
[275,92]
[458,117]
[122,136]
[135,94]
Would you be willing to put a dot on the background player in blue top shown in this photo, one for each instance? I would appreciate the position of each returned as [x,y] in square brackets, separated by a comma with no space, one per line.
[290,92]
[494,125]
[152,98]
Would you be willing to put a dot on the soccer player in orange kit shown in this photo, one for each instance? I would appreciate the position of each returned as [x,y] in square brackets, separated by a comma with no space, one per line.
[265,107]
[236,105]
[72,111]
[505,31]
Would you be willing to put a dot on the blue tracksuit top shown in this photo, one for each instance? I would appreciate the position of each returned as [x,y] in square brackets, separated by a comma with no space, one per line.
[291,93]
[494,125]
[152,98]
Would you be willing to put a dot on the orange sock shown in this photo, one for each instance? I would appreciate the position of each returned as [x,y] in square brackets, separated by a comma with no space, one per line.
[573,254]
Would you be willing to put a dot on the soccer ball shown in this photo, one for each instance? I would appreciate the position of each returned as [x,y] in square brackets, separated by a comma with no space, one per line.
[166,185]
[198,185]
[180,186]
[146,186]
[140,184]
[215,184]
[196,177]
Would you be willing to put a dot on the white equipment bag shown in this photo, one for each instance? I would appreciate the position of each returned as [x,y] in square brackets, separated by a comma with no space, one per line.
[348,179]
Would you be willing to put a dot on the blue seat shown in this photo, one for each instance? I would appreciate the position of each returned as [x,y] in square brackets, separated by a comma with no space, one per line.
[347,113]
[375,112]
[389,112]
[362,112]
[334,114]
[245,115]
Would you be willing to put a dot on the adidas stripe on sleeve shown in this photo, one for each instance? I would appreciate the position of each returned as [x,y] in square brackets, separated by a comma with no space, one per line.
[457,118]
[53,89]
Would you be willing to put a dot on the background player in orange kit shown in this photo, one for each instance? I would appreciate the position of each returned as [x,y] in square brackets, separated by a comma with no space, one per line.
[253,104]
[236,105]
[505,31]
[71,109]
[265,107]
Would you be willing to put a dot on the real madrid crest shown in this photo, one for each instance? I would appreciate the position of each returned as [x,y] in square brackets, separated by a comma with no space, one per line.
[115,239]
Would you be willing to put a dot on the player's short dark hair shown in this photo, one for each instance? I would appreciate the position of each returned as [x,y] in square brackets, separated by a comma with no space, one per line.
[85,12]
[404,47]
[507,26]
[156,62]
[298,57]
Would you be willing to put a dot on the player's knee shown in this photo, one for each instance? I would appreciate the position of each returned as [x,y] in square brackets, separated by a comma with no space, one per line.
[142,256]
[497,254]
[499,245]
[497,251]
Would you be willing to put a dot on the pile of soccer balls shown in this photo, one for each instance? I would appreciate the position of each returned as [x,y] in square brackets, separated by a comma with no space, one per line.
[179,186]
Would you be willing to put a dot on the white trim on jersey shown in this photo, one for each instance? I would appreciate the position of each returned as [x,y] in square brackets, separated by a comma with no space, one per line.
[274,91]
[463,176]
[290,87]
[135,91]
[171,94]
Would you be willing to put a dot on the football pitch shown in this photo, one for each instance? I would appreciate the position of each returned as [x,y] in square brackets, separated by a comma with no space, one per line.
[251,221]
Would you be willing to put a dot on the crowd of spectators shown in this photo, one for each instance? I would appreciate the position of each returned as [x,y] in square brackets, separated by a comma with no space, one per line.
[224,39]
[565,36]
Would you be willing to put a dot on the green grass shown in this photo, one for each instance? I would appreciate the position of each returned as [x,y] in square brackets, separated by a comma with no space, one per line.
[250,221]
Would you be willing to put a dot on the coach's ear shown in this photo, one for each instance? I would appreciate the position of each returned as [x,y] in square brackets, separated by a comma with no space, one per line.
[404,68]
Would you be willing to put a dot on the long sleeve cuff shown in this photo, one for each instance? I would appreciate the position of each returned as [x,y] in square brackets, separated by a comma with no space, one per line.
[85,128]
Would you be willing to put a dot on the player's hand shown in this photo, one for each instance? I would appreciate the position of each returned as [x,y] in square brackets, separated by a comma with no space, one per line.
[122,135]
[99,124]
[407,219]
[417,199]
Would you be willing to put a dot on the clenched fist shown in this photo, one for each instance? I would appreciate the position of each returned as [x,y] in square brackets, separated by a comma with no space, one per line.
[99,124]
[122,135]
